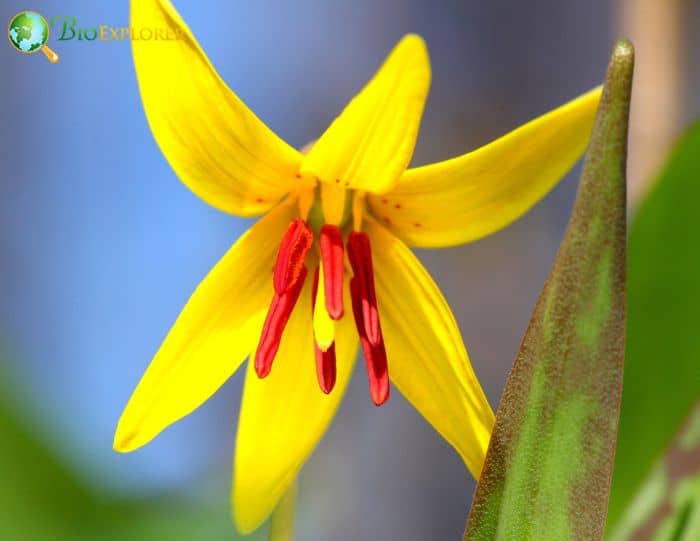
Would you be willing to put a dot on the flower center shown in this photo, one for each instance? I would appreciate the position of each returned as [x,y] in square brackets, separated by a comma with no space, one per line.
[325,218]
[331,205]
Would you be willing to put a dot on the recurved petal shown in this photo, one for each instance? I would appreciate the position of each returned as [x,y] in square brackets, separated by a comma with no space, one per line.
[215,332]
[215,144]
[473,195]
[371,143]
[427,359]
[285,415]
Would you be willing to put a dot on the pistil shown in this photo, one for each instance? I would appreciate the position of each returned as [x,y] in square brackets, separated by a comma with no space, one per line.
[325,359]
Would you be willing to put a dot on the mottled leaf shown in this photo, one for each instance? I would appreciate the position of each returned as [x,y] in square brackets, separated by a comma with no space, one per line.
[548,468]
[666,506]
[662,367]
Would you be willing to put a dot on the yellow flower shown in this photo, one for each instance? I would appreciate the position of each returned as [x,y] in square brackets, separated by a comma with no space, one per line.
[350,195]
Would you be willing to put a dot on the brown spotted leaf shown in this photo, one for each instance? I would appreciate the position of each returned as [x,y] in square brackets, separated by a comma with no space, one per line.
[548,468]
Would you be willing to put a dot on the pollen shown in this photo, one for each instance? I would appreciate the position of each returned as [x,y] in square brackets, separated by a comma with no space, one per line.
[275,322]
[290,258]
[325,359]
[288,279]
[331,247]
[323,324]
[366,313]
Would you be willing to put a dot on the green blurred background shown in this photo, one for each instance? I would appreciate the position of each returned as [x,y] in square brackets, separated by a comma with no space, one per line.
[101,245]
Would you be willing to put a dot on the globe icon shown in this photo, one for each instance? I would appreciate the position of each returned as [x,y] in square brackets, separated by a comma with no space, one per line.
[28,32]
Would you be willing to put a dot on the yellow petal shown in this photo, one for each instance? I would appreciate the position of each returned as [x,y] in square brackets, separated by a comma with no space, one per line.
[427,359]
[215,144]
[371,143]
[284,415]
[215,332]
[471,196]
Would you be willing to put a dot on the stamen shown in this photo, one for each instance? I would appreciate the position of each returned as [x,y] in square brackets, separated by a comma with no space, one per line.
[375,355]
[325,360]
[358,209]
[325,368]
[275,322]
[360,255]
[290,259]
[331,243]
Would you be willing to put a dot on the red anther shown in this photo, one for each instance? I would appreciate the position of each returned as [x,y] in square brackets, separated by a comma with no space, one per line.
[290,259]
[375,354]
[325,360]
[325,367]
[331,243]
[360,255]
[275,322]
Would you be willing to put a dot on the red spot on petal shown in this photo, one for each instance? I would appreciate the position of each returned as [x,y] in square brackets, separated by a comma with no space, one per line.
[259,200]
[337,181]
[298,175]
[417,225]
[386,219]
[385,201]
[397,206]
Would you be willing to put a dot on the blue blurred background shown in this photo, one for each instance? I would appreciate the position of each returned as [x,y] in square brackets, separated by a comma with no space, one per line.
[101,244]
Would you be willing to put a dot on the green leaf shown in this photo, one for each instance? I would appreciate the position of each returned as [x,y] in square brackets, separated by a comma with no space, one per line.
[548,467]
[667,505]
[662,370]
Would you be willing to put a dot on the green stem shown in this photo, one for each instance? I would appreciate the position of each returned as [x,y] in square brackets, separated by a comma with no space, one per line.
[282,521]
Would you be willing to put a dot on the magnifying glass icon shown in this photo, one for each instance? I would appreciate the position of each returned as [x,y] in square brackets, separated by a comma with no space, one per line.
[29,32]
